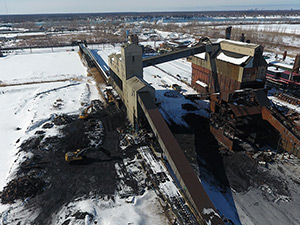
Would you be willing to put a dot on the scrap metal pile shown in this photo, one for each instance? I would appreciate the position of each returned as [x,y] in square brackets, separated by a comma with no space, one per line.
[248,115]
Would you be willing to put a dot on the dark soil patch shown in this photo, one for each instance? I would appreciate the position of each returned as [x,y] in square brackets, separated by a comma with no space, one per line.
[82,215]
[22,188]
[48,125]
[240,170]
[96,175]
[31,143]
[39,132]
[59,182]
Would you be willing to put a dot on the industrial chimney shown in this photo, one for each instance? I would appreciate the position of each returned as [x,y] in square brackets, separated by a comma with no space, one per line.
[228,33]
[134,39]
[296,64]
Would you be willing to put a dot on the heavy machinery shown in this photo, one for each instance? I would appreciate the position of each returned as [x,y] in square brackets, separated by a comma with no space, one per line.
[176,87]
[109,95]
[86,112]
[78,155]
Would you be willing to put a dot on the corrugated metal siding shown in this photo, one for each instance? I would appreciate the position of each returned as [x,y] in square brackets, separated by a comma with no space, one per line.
[203,74]
[249,74]
[229,70]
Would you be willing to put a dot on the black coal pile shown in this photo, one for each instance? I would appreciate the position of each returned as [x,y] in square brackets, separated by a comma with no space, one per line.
[31,143]
[22,188]
[46,181]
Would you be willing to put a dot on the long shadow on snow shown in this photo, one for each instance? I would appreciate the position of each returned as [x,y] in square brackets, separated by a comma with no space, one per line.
[211,166]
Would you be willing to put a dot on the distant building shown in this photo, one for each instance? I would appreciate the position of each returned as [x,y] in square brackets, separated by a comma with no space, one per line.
[238,65]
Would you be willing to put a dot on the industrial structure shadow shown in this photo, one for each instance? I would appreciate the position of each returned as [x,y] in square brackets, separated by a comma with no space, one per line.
[212,171]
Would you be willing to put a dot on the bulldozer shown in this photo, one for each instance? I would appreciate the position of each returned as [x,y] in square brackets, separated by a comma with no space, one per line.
[78,155]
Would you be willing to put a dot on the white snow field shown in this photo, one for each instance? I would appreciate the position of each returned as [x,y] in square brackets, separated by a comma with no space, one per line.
[24,106]
[143,209]
[24,67]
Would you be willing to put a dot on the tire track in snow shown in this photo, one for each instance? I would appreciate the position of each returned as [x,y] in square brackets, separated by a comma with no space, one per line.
[37,82]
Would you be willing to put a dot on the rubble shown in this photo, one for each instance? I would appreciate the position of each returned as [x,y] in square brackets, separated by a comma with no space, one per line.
[58,104]
[62,119]
[131,139]
[21,188]
[31,143]
[97,176]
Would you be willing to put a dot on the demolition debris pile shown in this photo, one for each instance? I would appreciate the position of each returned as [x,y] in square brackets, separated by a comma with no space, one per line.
[48,181]
[22,188]
[113,167]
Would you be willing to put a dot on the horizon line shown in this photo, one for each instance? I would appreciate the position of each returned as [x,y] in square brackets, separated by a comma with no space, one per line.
[162,11]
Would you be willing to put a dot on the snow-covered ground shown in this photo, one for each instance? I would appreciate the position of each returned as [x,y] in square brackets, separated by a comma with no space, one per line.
[36,87]
[278,28]
[143,209]
[21,67]
[25,106]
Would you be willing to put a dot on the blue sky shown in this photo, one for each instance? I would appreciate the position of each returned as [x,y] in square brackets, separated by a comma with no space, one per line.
[85,6]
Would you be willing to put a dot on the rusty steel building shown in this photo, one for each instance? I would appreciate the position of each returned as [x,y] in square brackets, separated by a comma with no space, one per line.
[238,65]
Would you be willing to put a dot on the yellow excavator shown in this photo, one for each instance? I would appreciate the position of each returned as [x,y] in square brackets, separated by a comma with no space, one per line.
[110,96]
[78,155]
[85,113]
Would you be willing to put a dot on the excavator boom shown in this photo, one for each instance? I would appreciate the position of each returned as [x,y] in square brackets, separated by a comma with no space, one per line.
[77,155]
[85,112]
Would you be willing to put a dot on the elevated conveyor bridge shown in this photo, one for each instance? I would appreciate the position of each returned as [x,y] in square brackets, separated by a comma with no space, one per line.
[190,184]
[183,53]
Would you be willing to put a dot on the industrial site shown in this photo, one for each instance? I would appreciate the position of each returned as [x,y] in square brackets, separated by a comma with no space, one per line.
[155,118]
